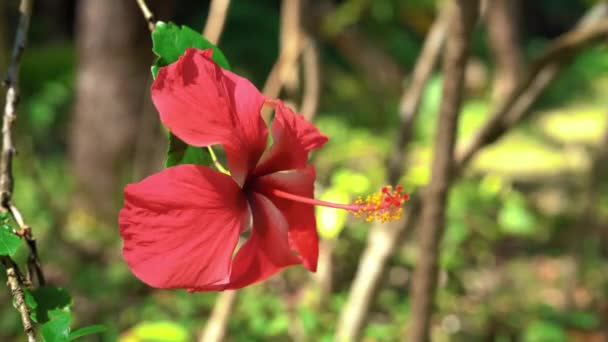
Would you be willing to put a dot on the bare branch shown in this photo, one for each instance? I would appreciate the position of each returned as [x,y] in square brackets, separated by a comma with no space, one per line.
[218,10]
[384,238]
[284,71]
[381,243]
[148,15]
[15,282]
[503,29]
[539,76]
[412,96]
[432,223]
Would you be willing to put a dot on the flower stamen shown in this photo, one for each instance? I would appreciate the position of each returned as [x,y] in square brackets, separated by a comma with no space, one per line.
[384,205]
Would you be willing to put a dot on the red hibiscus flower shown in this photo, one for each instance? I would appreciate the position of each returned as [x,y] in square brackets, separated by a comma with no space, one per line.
[181,226]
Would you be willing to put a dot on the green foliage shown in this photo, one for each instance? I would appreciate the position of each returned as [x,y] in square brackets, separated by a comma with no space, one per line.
[47,299]
[50,307]
[57,329]
[169,43]
[9,242]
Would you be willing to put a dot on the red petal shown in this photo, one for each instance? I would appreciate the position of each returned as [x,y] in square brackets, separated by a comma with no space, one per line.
[293,137]
[300,217]
[204,105]
[267,250]
[181,226]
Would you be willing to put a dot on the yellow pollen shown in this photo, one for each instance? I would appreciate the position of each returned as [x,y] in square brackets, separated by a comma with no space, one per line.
[384,205]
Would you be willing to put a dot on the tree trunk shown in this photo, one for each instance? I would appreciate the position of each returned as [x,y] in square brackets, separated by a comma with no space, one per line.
[113,48]
[502,24]
[424,282]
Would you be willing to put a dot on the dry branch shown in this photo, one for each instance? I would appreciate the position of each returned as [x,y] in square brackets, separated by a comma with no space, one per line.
[384,238]
[15,286]
[15,281]
[432,223]
[544,70]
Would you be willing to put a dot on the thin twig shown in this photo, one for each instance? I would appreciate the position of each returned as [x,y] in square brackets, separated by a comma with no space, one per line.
[11,81]
[218,11]
[148,15]
[432,220]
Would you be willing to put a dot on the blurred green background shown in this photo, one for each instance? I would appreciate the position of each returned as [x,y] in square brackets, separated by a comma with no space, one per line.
[520,260]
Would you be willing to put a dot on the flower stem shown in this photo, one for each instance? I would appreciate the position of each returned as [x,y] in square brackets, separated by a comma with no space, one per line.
[216,162]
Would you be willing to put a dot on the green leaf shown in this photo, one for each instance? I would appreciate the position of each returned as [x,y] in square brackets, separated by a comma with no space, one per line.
[57,329]
[49,299]
[30,301]
[181,153]
[4,216]
[91,329]
[515,218]
[169,43]
[541,331]
[9,242]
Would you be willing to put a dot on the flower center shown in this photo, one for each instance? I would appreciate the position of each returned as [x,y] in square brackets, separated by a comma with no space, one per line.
[384,205]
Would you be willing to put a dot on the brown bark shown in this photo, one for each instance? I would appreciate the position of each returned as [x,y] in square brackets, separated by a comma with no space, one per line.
[113,48]
[502,24]
[432,222]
